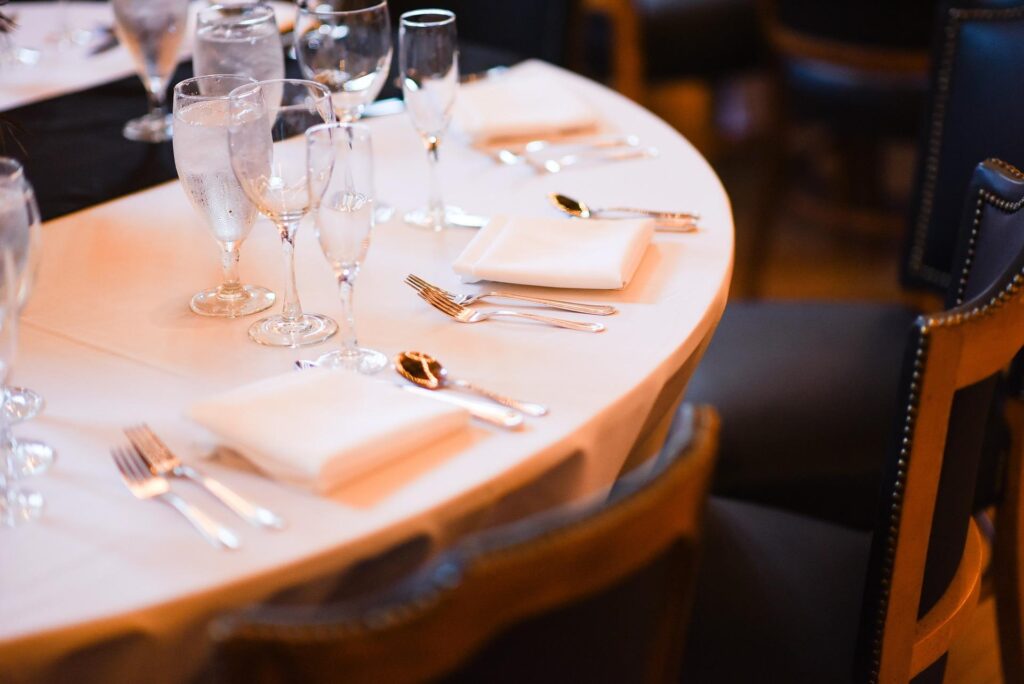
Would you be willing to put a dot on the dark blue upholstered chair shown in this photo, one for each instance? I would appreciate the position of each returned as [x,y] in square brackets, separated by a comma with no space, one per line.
[806,390]
[790,598]
[593,592]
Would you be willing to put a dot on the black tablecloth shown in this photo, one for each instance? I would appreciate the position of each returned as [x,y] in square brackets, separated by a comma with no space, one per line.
[74,153]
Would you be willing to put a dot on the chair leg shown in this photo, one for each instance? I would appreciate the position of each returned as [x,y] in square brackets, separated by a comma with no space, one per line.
[1008,552]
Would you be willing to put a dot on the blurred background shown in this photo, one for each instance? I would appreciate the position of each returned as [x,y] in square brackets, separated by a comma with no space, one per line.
[809,111]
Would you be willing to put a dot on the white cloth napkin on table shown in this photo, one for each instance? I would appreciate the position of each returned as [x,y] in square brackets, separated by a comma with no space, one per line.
[570,253]
[317,428]
[521,106]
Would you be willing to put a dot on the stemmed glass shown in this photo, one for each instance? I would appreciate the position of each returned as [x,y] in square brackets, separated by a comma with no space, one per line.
[340,163]
[17,215]
[272,172]
[346,46]
[152,31]
[240,39]
[428,55]
[201,117]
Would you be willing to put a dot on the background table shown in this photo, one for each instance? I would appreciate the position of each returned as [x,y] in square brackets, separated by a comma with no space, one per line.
[106,586]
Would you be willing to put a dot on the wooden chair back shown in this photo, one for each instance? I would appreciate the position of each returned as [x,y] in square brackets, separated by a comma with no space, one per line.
[548,594]
[922,586]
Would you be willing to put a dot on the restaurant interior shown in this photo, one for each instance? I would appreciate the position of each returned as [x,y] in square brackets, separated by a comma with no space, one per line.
[689,341]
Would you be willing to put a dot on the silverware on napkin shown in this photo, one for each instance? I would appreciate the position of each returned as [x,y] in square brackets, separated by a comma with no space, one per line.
[418,284]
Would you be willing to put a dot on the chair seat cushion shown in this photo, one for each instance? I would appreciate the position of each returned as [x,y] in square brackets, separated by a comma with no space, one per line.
[807,392]
[778,597]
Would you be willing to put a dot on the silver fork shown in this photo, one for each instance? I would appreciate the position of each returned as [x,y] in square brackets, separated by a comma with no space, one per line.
[417,283]
[464,315]
[145,485]
[162,461]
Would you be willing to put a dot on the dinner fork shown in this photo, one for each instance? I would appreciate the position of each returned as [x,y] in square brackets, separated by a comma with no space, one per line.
[512,156]
[464,315]
[163,462]
[143,484]
[417,283]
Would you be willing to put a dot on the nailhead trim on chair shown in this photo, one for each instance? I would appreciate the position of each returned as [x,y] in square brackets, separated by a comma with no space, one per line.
[931,170]
[995,201]
[925,326]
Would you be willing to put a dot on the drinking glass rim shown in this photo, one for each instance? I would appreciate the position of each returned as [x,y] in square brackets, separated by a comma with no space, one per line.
[338,125]
[248,80]
[239,10]
[303,6]
[11,170]
[326,93]
[407,18]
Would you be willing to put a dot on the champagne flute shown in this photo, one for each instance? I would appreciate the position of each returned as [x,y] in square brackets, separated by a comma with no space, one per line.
[240,39]
[272,172]
[17,215]
[28,457]
[152,31]
[345,45]
[201,116]
[428,55]
[340,164]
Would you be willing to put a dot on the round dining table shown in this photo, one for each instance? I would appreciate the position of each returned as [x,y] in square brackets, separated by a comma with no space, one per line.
[105,587]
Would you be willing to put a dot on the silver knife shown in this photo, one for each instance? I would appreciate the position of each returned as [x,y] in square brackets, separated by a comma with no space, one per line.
[496,415]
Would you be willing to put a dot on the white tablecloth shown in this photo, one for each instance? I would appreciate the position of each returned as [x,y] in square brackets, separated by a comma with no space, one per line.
[109,340]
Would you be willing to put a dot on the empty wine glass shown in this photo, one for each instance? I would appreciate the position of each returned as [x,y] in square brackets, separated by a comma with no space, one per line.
[29,457]
[17,215]
[201,117]
[340,164]
[428,56]
[272,172]
[240,39]
[152,31]
[346,46]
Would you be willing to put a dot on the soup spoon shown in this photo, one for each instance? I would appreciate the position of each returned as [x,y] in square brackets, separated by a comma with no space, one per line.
[426,371]
[579,209]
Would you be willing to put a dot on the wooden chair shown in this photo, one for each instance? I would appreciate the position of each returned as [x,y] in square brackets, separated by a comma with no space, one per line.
[883,606]
[779,394]
[594,592]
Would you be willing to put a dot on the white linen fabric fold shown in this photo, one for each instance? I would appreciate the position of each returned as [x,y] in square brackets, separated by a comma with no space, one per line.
[319,428]
[570,253]
[521,105]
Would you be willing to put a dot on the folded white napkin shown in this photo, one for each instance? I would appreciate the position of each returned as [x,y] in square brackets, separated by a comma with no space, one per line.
[520,106]
[317,428]
[572,253]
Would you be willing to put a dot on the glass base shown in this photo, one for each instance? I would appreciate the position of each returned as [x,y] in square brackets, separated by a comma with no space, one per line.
[30,457]
[151,128]
[365,361]
[424,218]
[22,404]
[275,331]
[249,300]
[19,506]
[383,212]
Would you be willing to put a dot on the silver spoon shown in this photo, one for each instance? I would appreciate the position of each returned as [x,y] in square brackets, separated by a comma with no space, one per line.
[580,209]
[426,371]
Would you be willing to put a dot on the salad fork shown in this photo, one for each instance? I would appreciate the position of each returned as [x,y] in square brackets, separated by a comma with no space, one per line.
[463,315]
[417,283]
[143,484]
[163,462]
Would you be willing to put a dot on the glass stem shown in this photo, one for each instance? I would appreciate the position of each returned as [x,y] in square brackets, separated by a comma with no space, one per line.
[156,93]
[435,204]
[347,327]
[231,286]
[292,308]
[7,466]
